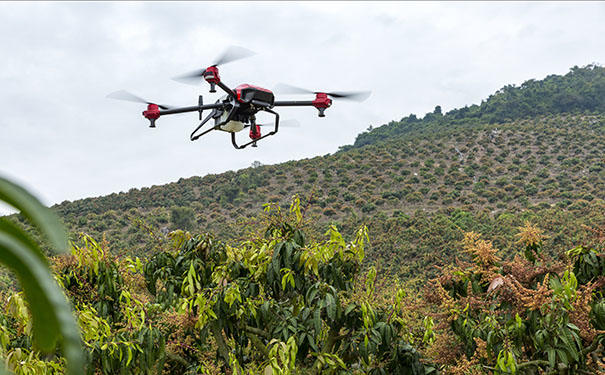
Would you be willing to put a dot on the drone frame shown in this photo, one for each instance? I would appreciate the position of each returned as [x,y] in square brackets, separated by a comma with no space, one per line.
[232,103]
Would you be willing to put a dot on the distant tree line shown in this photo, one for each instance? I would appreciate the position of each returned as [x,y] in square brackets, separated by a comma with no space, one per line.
[580,90]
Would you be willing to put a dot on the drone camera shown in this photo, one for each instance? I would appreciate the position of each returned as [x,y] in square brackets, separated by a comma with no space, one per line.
[152,113]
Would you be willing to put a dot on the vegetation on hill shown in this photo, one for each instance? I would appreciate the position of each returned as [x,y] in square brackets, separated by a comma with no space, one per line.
[281,303]
[581,90]
[416,193]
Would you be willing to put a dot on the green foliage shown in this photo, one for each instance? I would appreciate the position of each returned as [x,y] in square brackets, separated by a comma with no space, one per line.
[289,301]
[95,275]
[182,218]
[523,316]
[52,320]
[172,268]
[280,301]
[113,319]
[588,264]
[277,300]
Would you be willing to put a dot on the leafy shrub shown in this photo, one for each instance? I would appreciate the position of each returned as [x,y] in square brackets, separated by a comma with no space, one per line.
[528,315]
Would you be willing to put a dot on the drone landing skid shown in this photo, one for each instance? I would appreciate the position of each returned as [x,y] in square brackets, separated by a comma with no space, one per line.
[255,139]
[212,114]
[258,137]
[252,142]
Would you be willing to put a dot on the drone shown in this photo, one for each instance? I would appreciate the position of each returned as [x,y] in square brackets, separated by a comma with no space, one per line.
[237,110]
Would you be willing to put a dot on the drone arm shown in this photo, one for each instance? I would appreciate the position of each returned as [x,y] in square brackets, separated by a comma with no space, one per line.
[321,102]
[195,108]
[153,112]
[293,103]
[225,88]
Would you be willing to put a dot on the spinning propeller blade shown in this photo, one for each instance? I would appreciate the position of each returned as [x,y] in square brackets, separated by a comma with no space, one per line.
[357,96]
[191,78]
[130,97]
[232,53]
[289,89]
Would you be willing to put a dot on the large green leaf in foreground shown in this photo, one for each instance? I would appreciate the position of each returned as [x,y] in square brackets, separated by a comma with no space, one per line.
[41,217]
[51,313]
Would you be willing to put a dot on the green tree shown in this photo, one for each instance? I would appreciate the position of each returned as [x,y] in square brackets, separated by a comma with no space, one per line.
[182,218]
[280,302]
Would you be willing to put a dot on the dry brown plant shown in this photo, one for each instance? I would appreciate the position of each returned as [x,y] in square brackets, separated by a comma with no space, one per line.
[531,299]
[483,254]
[526,272]
[177,325]
[436,294]
[594,362]
[481,350]
[446,349]
[521,298]
[580,313]
[530,234]
[464,366]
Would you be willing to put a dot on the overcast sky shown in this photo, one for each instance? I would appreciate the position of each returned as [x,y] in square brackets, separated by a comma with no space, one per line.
[64,140]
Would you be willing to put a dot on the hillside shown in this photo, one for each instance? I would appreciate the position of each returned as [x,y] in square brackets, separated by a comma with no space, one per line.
[533,152]
[580,90]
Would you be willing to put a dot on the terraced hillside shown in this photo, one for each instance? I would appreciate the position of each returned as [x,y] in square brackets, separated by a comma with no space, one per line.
[417,183]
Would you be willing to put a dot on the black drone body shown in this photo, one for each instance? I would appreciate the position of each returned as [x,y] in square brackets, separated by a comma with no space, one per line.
[238,109]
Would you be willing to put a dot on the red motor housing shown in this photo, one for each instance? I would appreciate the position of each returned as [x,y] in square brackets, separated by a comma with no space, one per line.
[322,102]
[255,132]
[152,112]
[211,75]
